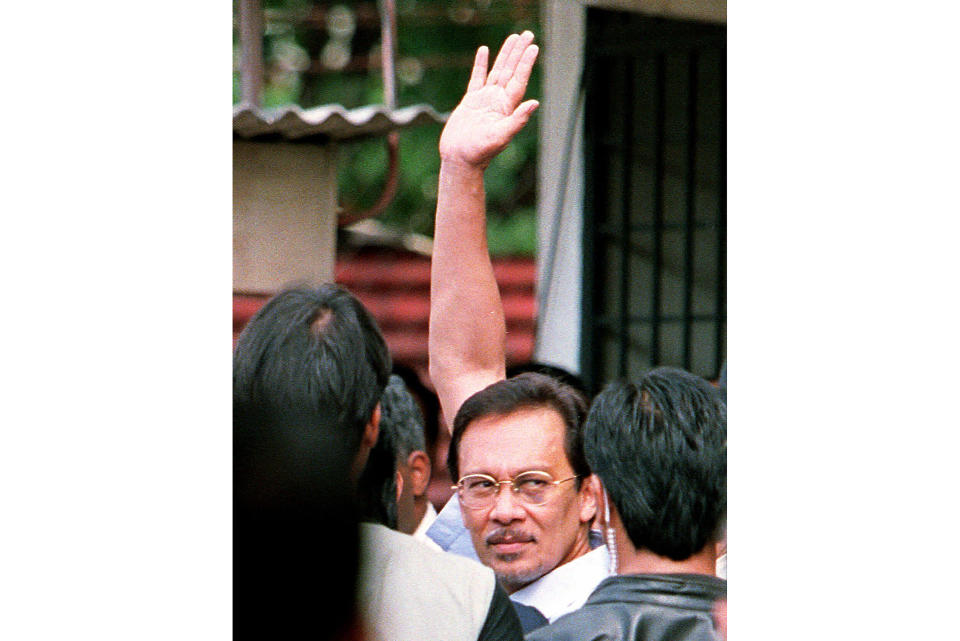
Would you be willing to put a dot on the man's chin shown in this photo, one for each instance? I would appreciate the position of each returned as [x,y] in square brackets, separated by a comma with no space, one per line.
[514,578]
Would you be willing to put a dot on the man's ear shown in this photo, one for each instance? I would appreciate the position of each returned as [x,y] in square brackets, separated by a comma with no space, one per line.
[419,464]
[372,431]
[589,493]
[367,440]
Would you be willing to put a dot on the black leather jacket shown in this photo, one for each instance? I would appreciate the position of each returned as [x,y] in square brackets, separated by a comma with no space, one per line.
[642,607]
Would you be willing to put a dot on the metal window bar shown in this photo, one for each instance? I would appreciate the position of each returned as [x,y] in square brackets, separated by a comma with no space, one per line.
[660,91]
[629,44]
[690,213]
[625,196]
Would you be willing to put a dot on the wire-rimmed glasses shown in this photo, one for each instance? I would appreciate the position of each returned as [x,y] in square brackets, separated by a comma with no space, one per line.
[533,487]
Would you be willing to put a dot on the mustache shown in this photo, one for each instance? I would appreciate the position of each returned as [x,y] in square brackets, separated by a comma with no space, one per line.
[508,535]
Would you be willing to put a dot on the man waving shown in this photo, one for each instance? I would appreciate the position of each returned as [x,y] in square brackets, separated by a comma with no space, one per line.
[524,490]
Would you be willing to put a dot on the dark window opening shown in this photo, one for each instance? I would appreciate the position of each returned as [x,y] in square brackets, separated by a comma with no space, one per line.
[655,206]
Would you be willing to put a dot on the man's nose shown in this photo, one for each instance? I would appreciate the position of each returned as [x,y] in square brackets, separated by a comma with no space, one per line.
[506,505]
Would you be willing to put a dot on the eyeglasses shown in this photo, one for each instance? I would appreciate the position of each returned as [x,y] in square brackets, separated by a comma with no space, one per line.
[480,490]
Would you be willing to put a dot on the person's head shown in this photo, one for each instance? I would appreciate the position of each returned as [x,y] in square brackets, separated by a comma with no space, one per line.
[427,402]
[317,352]
[659,445]
[308,373]
[553,371]
[395,480]
[529,423]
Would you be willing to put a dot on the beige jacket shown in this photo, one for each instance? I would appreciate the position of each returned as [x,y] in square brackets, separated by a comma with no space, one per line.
[409,592]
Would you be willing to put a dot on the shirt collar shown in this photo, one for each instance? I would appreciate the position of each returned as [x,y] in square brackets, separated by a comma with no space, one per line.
[428,518]
[567,587]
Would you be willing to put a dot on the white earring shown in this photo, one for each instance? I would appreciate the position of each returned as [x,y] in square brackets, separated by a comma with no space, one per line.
[611,539]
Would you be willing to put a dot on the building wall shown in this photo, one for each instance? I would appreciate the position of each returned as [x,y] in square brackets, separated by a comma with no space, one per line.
[560,187]
[284,220]
[560,180]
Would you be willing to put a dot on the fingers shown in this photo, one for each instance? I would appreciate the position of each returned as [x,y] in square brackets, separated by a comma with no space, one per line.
[517,84]
[500,63]
[520,46]
[524,111]
[515,57]
[479,73]
[520,116]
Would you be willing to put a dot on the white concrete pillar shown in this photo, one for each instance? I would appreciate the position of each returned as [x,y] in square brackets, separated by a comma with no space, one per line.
[284,215]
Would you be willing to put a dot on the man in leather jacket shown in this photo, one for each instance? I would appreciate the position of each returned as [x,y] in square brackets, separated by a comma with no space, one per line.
[660,447]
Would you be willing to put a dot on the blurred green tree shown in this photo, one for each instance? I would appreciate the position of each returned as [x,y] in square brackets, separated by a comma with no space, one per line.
[319,52]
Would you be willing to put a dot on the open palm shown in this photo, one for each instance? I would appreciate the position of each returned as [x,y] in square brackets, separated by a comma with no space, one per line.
[490,113]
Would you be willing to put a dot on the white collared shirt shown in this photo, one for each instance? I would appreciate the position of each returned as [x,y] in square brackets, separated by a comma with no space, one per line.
[420,533]
[567,586]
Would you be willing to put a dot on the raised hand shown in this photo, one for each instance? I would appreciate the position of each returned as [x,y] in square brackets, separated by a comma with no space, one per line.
[490,113]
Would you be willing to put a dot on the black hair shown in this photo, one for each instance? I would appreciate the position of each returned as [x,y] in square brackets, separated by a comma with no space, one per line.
[427,401]
[292,504]
[402,417]
[318,351]
[524,391]
[660,447]
[308,371]
[564,376]
[401,432]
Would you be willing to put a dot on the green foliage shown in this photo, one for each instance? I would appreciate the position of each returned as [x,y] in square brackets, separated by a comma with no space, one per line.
[514,235]
[436,41]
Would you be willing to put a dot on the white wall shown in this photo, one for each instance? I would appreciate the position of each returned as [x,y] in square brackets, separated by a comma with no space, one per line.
[558,327]
[284,215]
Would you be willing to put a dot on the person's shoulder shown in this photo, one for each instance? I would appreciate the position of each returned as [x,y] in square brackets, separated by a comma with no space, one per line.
[386,544]
[404,583]
[573,626]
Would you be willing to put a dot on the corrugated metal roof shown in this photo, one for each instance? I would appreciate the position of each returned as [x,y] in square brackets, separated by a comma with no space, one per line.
[327,122]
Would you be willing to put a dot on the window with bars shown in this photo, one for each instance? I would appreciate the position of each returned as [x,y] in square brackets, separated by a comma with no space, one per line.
[655,205]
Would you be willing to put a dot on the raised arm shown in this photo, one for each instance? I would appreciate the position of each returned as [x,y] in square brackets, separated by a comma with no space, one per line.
[467,329]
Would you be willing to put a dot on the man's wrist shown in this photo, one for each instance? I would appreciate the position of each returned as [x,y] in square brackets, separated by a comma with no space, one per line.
[459,164]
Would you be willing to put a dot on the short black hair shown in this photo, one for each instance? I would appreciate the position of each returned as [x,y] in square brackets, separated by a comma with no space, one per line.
[401,416]
[308,371]
[660,447]
[426,399]
[525,391]
[401,432]
[554,371]
[316,351]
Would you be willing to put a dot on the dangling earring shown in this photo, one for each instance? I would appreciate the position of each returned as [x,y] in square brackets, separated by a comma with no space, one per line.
[611,539]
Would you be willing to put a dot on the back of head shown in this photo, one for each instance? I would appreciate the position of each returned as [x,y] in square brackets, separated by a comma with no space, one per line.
[524,391]
[426,400]
[660,447]
[308,371]
[401,416]
[314,351]
[401,432]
